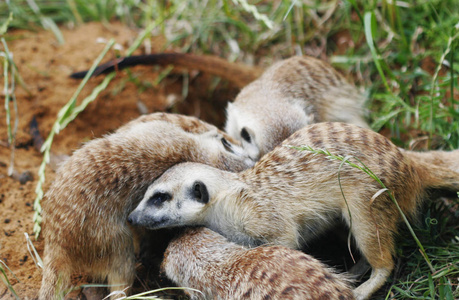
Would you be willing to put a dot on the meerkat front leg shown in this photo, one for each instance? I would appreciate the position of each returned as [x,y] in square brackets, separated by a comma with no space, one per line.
[121,274]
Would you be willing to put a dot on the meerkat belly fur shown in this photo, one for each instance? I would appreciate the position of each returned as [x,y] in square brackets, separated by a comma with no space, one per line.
[290,196]
[204,260]
[86,208]
[291,94]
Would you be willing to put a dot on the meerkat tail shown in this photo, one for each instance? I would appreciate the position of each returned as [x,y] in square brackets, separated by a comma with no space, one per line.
[239,74]
[439,177]
[446,159]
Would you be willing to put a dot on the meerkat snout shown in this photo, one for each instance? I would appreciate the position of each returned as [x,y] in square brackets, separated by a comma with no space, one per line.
[160,209]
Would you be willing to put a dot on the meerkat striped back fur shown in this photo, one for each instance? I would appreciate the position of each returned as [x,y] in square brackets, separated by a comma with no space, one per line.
[204,260]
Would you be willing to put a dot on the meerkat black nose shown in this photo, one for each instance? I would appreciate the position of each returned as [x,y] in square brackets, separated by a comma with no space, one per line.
[132,219]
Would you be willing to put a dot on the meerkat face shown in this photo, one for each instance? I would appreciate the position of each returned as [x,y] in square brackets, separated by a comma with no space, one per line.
[178,198]
[243,126]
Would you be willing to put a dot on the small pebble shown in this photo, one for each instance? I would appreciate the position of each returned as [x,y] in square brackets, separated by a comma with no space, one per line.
[25,176]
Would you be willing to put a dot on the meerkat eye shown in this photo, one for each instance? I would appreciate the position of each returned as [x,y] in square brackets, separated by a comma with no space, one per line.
[200,192]
[227,145]
[159,198]
[245,135]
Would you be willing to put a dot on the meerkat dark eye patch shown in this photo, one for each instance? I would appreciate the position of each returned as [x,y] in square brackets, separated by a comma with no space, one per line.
[227,145]
[245,135]
[200,192]
[159,198]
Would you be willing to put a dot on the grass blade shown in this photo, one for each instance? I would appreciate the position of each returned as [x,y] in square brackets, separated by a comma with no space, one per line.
[65,114]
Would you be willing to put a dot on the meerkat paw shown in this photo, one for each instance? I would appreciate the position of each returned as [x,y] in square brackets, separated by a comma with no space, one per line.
[377,279]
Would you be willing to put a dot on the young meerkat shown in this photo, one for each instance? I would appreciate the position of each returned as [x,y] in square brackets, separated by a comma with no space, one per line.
[291,196]
[291,94]
[86,207]
[204,260]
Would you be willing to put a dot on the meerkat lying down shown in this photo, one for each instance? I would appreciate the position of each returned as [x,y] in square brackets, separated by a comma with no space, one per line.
[290,196]
[86,207]
[204,260]
[291,94]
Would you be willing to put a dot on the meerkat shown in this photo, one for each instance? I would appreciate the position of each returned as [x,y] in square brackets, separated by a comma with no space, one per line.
[291,196]
[204,260]
[291,94]
[86,207]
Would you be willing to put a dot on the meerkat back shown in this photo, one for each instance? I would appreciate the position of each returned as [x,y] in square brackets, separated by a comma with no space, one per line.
[291,94]
[204,260]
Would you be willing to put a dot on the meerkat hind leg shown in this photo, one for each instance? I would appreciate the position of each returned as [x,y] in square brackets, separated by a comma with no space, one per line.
[376,247]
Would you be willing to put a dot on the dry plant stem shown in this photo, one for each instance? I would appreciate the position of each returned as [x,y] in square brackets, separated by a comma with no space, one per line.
[347,205]
[365,169]
[145,295]
[10,95]
[65,116]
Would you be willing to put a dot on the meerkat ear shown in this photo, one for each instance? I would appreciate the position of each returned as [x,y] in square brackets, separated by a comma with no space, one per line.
[200,192]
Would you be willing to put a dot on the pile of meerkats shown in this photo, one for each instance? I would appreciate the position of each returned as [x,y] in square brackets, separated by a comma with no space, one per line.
[249,196]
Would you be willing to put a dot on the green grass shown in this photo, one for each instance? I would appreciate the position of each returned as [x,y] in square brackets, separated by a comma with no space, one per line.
[4,277]
[401,53]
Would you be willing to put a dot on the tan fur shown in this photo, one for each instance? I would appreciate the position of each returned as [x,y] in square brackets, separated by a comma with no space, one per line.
[447,159]
[290,196]
[85,210]
[187,123]
[291,94]
[204,260]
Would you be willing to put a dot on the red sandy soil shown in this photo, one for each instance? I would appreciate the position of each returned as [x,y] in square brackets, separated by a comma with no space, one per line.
[45,67]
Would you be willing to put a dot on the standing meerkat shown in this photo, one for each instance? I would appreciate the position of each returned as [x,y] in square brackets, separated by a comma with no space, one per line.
[291,94]
[86,207]
[204,260]
[291,196]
